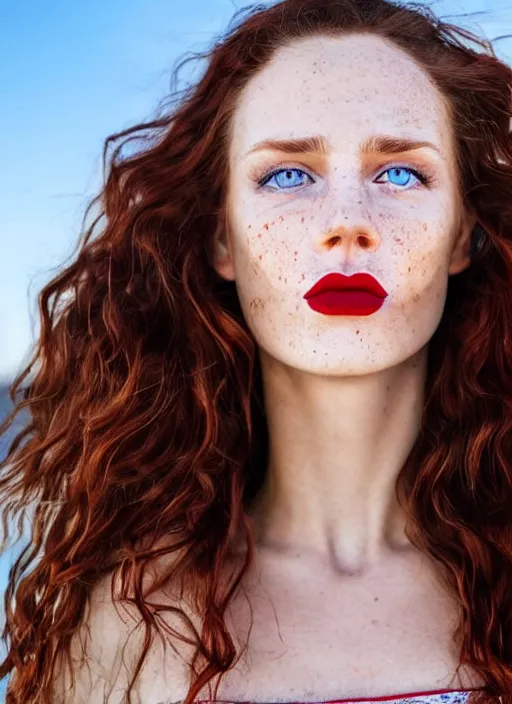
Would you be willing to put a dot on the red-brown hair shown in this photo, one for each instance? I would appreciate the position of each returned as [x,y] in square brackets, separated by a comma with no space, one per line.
[143,396]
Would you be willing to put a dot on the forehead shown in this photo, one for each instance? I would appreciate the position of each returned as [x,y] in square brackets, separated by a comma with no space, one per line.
[343,87]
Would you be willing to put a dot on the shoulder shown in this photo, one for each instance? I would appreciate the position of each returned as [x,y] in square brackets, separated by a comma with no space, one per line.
[94,651]
[105,651]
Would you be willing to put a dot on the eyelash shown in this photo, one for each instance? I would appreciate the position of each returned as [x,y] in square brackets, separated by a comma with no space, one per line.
[423,177]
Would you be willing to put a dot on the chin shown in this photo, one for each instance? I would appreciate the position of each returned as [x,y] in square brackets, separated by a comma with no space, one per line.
[362,361]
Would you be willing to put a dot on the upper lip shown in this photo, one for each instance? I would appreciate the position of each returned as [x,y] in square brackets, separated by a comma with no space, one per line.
[340,282]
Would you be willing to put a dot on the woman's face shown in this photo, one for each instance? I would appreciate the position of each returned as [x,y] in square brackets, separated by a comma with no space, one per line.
[347,201]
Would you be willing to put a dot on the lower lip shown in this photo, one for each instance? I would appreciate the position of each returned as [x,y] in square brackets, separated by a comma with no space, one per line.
[345,303]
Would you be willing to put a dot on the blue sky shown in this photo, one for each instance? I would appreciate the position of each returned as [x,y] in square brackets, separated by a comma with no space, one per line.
[71,73]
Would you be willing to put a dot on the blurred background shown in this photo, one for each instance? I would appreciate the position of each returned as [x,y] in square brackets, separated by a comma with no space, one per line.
[72,73]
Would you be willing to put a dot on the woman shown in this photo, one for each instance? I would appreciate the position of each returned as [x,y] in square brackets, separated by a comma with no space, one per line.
[270,404]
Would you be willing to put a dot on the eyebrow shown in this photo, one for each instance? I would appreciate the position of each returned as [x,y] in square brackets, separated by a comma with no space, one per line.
[318,145]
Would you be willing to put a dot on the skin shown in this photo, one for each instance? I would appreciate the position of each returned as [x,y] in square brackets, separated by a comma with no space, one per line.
[343,394]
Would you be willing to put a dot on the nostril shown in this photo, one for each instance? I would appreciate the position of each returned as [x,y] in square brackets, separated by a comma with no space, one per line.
[363,241]
[334,241]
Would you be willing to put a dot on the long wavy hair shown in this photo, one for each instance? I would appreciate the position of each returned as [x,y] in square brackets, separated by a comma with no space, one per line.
[146,434]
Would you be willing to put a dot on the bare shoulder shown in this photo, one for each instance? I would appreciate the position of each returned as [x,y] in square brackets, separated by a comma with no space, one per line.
[94,651]
[105,652]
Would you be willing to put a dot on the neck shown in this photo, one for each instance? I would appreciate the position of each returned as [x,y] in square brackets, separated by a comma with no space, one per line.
[336,448]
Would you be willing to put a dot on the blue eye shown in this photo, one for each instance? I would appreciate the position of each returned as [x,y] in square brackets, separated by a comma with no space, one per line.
[402,175]
[287,178]
[399,176]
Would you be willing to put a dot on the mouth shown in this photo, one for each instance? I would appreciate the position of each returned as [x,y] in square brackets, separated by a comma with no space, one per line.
[336,294]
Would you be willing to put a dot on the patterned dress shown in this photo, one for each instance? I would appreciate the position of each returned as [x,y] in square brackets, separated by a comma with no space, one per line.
[446,696]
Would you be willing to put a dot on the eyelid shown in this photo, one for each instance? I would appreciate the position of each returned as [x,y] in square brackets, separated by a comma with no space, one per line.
[422,169]
[401,165]
[265,170]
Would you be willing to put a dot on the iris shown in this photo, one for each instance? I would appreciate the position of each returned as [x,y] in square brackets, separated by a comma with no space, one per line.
[402,175]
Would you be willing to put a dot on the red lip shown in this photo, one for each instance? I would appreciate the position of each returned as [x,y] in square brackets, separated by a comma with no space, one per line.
[336,294]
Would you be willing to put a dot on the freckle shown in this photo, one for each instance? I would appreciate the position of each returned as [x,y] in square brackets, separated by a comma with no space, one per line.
[256,303]
[265,226]
[280,278]
[357,332]
[302,219]
[302,277]
[409,269]
[249,227]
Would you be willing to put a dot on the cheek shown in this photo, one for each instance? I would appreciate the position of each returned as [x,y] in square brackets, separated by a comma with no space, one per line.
[265,248]
[269,267]
[422,249]
[421,277]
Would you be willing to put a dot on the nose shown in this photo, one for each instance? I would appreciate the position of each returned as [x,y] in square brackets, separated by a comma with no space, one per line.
[351,237]
[357,236]
[348,225]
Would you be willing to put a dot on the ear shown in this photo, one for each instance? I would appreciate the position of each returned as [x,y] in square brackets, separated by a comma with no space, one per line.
[222,255]
[460,258]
